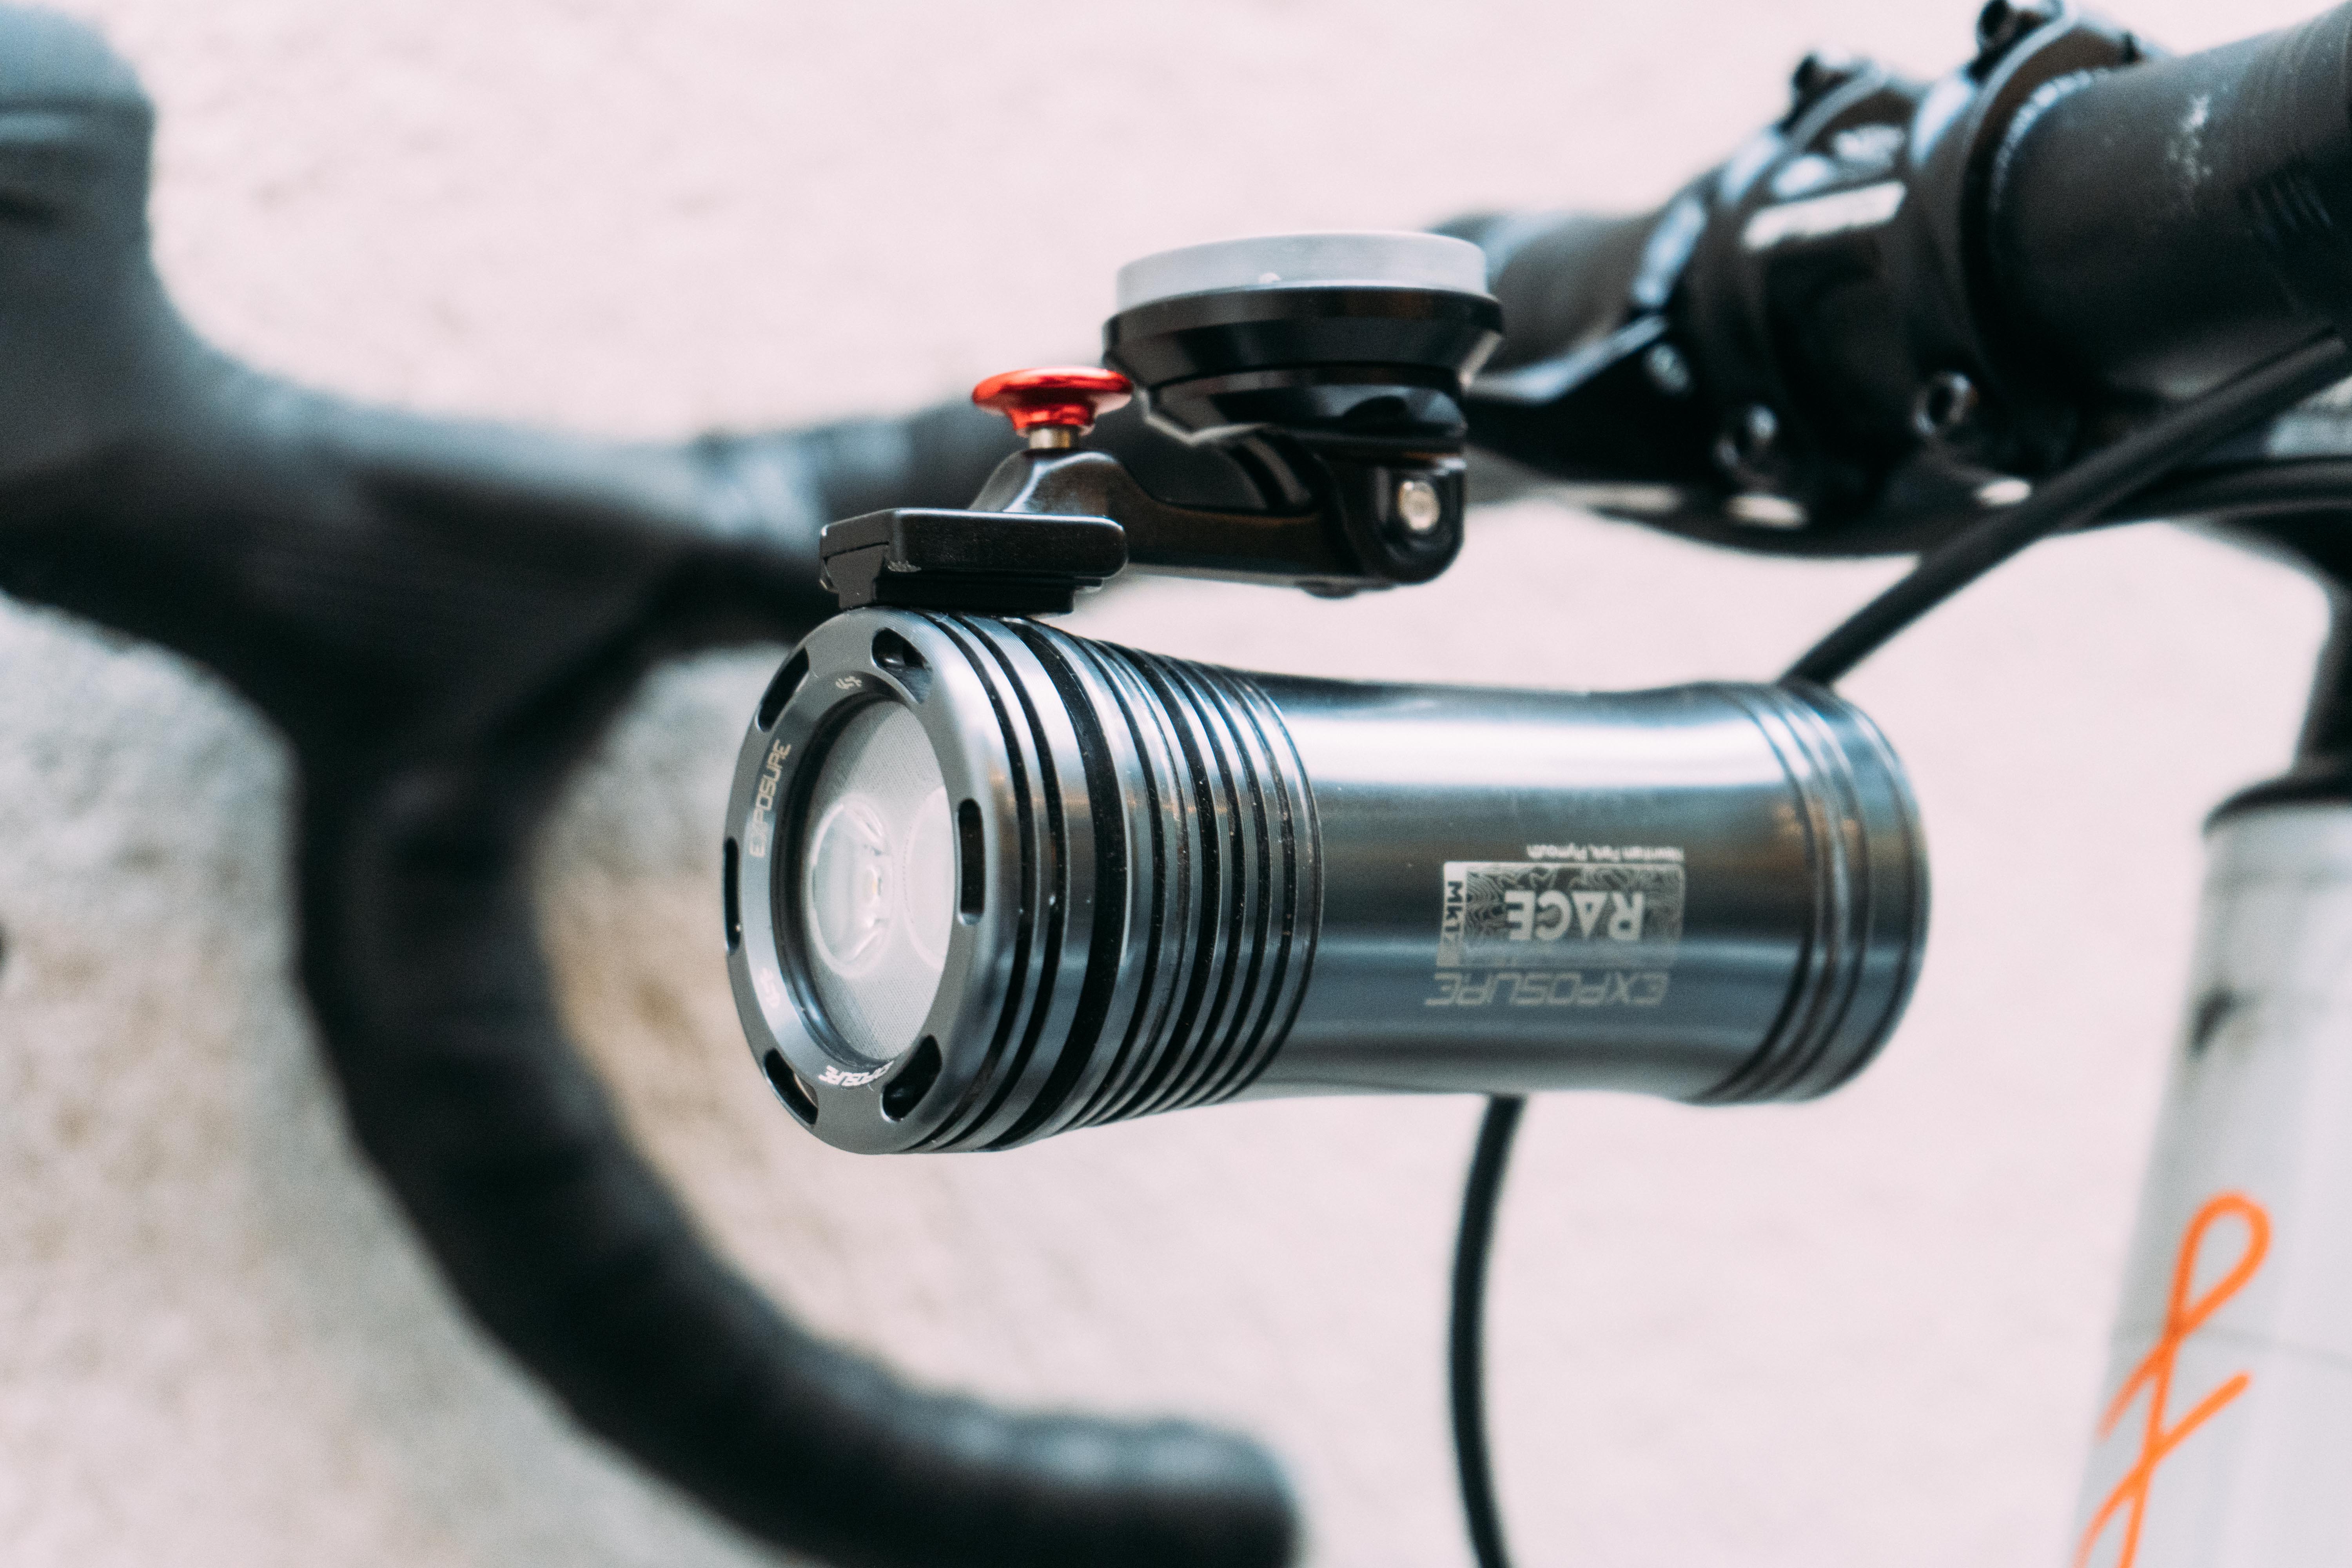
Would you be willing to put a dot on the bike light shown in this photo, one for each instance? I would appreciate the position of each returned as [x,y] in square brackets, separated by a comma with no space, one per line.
[987,882]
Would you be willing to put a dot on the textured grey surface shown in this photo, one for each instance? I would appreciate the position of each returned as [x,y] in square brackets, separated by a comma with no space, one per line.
[1862,1332]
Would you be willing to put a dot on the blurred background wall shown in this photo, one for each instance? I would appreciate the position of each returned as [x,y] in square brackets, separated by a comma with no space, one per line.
[1862,1332]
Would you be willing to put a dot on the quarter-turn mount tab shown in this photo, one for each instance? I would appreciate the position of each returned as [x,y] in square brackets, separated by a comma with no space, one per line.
[1330,367]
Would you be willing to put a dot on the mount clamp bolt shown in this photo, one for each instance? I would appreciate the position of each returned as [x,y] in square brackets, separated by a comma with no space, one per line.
[1053,407]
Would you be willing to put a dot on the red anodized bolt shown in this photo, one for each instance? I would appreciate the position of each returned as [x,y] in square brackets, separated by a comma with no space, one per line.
[1054,405]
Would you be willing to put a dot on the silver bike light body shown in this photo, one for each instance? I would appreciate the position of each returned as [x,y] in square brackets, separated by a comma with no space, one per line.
[1120,883]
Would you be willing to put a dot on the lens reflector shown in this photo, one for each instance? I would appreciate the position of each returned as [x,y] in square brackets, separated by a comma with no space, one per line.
[878,880]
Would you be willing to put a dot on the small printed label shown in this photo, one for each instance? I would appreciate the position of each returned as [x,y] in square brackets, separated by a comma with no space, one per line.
[1550,988]
[762,828]
[1523,914]
[1585,926]
[1609,854]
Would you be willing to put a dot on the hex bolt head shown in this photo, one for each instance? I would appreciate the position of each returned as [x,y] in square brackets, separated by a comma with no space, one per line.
[1750,448]
[2002,22]
[1667,370]
[1418,507]
[1818,74]
[1946,406]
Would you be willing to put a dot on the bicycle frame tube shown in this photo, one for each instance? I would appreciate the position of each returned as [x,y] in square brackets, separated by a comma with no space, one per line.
[2225,1429]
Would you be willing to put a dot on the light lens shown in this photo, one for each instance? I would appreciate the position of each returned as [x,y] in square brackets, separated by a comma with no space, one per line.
[878,880]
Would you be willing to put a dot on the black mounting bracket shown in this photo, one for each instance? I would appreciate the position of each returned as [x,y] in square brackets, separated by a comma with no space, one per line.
[927,558]
[1340,401]
[1054,522]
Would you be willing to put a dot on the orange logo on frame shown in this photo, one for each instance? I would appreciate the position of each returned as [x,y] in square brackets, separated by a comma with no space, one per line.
[2182,1318]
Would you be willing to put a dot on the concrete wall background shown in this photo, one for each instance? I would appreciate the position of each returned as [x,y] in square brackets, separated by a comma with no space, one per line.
[1865,1331]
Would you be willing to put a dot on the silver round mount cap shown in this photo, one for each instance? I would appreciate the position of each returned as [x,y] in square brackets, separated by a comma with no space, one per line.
[1390,258]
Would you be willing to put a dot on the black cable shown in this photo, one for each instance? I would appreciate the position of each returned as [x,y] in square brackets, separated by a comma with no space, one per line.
[1480,1198]
[2076,498]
